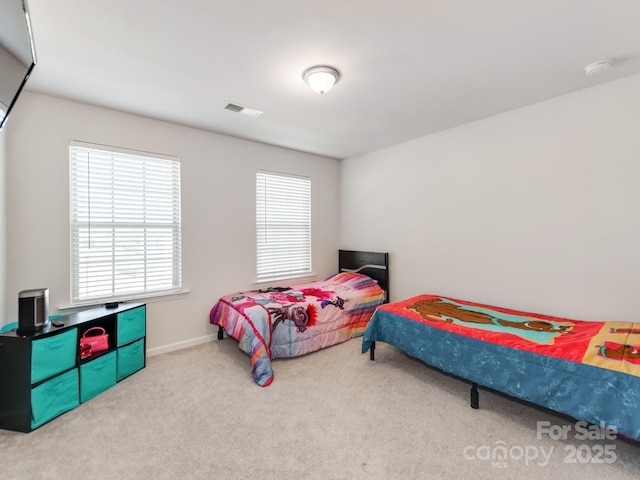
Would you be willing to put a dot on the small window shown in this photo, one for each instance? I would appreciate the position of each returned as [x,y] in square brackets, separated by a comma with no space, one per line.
[125,224]
[283,221]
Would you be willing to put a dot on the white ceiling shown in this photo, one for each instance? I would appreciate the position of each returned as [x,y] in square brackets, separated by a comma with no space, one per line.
[409,67]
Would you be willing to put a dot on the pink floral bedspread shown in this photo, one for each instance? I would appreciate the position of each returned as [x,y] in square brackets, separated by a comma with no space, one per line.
[282,322]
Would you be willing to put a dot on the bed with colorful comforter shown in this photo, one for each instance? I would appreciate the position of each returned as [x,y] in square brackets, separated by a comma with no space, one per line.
[587,370]
[283,322]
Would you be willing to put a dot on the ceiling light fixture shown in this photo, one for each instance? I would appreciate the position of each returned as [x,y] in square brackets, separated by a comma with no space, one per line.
[597,68]
[321,78]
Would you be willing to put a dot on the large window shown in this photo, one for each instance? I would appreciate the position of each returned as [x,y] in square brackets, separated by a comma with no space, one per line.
[125,224]
[283,221]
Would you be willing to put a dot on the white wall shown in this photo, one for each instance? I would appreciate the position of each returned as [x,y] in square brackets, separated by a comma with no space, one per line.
[536,209]
[218,207]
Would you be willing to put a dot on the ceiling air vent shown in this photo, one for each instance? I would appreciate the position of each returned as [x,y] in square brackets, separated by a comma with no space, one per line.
[234,108]
[251,112]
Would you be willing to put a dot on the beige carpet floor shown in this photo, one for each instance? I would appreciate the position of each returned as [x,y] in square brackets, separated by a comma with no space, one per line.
[332,414]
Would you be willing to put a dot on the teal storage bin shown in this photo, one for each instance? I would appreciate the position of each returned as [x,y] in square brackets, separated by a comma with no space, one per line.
[97,376]
[54,397]
[8,327]
[131,325]
[130,359]
[53,355]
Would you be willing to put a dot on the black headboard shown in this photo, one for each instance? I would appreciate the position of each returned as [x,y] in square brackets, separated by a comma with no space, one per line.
[372,264]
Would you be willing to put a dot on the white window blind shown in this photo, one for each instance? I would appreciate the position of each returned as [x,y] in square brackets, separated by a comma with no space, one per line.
[125,224]
[283,220]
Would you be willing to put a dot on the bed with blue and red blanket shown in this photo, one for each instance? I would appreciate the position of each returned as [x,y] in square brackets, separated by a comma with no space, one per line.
[289,321]
[584,369]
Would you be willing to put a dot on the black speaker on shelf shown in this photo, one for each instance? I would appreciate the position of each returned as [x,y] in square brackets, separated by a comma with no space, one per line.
[33,310]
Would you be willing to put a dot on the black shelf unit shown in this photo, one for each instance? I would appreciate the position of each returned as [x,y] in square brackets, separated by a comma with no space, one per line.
[39,369]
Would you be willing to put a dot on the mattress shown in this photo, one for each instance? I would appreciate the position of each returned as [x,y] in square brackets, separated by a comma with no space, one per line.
[284,322]
[587,370]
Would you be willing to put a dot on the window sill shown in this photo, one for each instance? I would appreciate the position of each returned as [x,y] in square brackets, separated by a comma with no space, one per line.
[311,277]
[161,297]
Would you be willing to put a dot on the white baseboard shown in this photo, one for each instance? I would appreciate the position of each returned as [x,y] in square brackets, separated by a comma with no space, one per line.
[151,352]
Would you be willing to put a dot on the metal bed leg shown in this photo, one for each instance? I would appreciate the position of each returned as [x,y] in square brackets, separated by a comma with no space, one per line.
[220,333]
[475,400]
[371,350]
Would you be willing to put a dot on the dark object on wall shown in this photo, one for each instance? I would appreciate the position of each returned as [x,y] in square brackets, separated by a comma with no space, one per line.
[33,310]
[17,53]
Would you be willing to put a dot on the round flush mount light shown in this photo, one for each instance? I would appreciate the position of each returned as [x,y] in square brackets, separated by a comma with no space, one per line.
[321,78]
[598,68]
